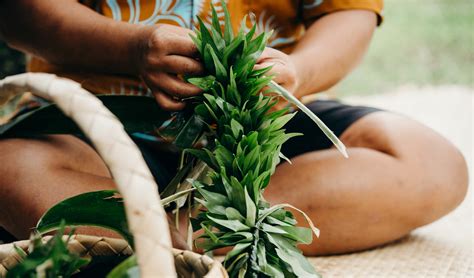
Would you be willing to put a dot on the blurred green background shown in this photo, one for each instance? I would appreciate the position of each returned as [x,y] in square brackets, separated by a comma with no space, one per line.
[421,42]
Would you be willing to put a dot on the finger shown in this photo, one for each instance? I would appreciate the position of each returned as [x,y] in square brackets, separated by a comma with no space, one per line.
[263,65]
[278,71]
[268,53]
[179,30]
[167,103]
[279,78]
[181,65]
[183,46]
[275,71]
[172,85]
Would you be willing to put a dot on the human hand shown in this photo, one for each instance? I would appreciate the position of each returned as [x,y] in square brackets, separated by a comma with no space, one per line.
[166,53]
[283,69]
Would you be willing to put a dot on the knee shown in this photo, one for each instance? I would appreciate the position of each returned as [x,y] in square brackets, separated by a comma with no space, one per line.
[446,180]
[437,175]
[432,172]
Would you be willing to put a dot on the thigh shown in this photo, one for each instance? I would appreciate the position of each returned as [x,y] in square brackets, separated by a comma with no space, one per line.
[38,172]
[52,151]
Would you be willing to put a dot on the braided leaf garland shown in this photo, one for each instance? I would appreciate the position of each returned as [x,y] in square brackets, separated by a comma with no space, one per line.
[245,139]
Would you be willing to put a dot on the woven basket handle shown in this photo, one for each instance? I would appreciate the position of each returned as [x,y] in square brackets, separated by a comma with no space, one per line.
[146,217]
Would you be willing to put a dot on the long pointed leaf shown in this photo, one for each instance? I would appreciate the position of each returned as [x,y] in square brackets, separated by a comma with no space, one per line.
[291,98]
[99,208]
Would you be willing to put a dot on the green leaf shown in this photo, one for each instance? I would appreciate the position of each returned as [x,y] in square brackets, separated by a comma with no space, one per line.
[251,33]
[221,72]
[204,155]
[223,156]
[261,256]
[215,20]
[197,41]
[211,207]
[272,229]
[251,210]
[206,37]
[49,259]
[238,267]
[273,271]
[265,213]
[233,214]
[292,256]
[233,225]
[252,159]
[260,72]
[208,232]
[232,48]
[291,98]
[104,209]
[172,186]
[174,197]
[280,122]
[237,128]
[300,234]
[126,269]
[232,238]
[238,198]
[212,197]
[137,114]
[205,83]
[238,249]
[190,133]
[218,40]
[228,32]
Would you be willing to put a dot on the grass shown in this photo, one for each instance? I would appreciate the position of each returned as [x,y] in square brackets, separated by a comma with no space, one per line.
[421,43]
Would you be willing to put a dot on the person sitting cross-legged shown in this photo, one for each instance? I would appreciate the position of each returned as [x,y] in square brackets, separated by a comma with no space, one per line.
[401,175]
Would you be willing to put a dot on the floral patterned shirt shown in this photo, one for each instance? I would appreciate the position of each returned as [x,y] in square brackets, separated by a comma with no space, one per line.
[287,18]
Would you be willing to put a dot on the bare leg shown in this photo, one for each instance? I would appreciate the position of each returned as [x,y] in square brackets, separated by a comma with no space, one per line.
[38,173]
[400,175]
[35,174]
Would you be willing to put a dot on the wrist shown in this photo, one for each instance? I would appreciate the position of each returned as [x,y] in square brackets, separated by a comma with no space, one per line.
[301,76]
[139,45]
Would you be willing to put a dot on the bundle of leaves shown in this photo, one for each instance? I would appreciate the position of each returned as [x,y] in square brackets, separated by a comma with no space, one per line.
[245,140]
[49,259]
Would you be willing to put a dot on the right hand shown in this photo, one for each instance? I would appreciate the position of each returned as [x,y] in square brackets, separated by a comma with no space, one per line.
[168,51]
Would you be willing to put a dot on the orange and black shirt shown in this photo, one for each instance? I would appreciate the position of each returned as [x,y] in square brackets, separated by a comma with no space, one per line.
[287,18]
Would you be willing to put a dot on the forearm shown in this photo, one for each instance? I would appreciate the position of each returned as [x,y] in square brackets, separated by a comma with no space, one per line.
[69,33]
[331,48]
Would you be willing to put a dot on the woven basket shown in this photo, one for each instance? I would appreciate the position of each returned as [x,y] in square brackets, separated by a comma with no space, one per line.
[146,217]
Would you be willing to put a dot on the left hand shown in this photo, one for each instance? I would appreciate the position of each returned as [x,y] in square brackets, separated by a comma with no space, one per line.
[283,68]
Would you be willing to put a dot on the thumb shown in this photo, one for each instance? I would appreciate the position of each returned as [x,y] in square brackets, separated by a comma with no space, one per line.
[263,65]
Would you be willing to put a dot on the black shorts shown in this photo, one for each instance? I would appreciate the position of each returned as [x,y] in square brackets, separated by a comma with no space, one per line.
[337,116]
[163,162]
